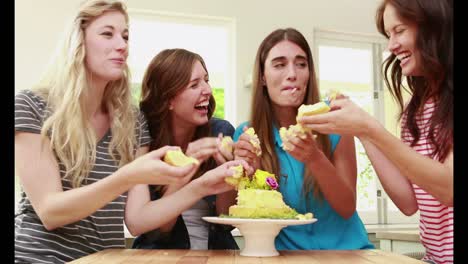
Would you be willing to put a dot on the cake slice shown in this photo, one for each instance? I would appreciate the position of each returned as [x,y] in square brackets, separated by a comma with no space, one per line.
[178,158]
[226,143]
[314,109]
[236,177]
[254,140]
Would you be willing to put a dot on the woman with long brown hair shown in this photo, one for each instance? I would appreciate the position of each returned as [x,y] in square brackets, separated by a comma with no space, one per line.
[178,103]
[315,175]
[417,170]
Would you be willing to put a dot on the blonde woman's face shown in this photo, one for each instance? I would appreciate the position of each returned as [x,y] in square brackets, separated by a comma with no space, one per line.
[106,46]
[286,74]
[402,41]
[190,106]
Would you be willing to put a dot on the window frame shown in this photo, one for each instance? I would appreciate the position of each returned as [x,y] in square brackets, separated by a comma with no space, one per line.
[229,24]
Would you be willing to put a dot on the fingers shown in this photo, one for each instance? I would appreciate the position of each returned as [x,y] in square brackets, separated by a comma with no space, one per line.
[220,159]
[321,128]
[236,163]
[160,152]
[243,146]
[204,153]
[174,171]
[245,155]
[315,119]
[202,143]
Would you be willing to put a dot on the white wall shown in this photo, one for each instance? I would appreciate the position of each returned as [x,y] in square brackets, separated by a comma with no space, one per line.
[39,25]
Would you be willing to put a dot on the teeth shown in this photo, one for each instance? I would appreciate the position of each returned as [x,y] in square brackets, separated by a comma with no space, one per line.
[202,104]
[403,57]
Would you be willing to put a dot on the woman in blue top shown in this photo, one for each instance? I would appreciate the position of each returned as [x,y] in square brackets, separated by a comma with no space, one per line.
[318,174]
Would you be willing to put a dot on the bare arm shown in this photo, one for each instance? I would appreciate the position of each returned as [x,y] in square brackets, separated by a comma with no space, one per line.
[348,119]
[395,184]
[431,175]
[36,165]
[143,215]
[38,171]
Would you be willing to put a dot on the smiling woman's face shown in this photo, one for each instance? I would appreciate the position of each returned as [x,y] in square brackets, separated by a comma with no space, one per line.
[286,74]
[190,106]
[402,41]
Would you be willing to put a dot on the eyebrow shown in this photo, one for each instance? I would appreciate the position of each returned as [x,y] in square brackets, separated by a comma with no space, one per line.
[113,28]
[395,26]
[281,58]
[197,79]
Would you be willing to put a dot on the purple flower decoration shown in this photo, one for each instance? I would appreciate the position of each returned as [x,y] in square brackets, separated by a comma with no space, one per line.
[272,183]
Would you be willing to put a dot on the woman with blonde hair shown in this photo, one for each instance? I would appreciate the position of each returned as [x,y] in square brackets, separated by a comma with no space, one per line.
[315,175]
[80,146]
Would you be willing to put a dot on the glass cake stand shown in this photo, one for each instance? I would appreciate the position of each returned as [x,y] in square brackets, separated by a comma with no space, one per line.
[259,234]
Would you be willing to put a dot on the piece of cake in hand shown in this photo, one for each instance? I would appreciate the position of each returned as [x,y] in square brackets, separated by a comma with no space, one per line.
[178,158]
[254,140]
[226,144]
[236,177]
[296,130]
[314,109]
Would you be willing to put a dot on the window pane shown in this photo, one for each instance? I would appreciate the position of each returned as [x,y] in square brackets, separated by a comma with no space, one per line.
[218,94]
[349,70]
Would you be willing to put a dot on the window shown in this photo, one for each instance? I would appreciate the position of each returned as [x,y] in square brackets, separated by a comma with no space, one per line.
[211,38]
[352,64]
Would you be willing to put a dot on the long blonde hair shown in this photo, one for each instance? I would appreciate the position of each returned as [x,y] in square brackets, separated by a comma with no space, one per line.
[65,86]
[261,119]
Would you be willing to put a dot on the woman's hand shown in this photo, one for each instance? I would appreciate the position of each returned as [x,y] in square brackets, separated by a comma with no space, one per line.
[212,181]
[345,118]
[244,150]
[224,154]
[302,149]
[203,148]
[151,169]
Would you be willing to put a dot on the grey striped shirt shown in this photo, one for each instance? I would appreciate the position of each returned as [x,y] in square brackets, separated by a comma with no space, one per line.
[101,230]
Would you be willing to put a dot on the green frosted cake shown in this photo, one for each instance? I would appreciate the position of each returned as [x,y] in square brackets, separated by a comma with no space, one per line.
[258,198]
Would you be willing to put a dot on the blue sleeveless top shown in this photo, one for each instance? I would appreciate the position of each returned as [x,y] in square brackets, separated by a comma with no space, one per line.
[331,231]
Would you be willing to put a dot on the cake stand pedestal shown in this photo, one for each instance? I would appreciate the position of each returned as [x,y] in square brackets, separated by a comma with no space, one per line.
[259,234]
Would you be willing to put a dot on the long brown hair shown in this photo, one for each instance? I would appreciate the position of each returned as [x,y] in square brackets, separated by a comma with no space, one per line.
[262,113]
[167,75]
[434,40]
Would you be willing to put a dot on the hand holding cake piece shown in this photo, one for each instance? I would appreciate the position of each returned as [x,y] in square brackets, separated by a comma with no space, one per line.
[178,158]
[254,140]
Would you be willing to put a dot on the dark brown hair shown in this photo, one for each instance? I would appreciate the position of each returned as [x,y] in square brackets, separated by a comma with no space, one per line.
[262,113]
[167,75]
[434,41]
